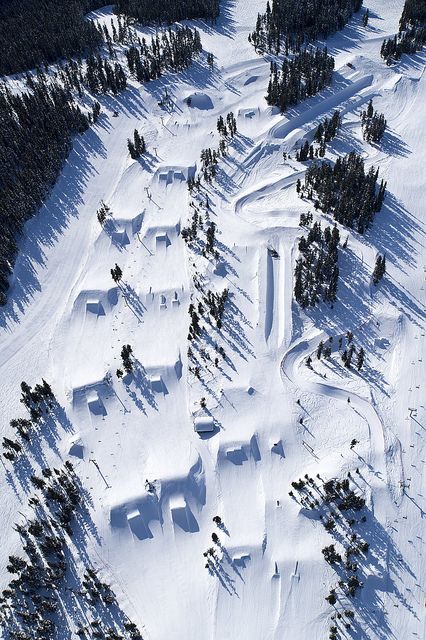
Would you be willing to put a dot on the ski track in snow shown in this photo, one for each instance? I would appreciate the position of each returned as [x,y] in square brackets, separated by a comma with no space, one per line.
[67,321]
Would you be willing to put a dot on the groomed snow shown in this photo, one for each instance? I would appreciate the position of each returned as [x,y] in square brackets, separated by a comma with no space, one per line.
[66,321]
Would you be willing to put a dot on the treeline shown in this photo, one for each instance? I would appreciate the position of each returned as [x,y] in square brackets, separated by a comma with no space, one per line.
[166,11]
[36,32]
[40,32]
[35,139]
[317,272]
[345,190]
[288,24]
[412,32]
[173,50]
[300,77]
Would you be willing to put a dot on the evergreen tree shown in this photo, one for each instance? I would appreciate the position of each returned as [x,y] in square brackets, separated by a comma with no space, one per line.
[116,274]
[365,18]
[96,110]
[132,150]
[379,269]
[360,359]
[139,144]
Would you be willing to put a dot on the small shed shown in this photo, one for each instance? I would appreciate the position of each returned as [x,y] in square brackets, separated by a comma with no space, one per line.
[203,424]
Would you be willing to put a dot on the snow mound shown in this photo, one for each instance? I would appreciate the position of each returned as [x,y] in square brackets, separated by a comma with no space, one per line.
[250,80]
[240,452]
[180,495]
[182,515]
[76,447]
[95,301]
[199,100]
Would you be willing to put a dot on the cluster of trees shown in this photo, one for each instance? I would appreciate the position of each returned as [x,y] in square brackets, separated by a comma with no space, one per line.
[216,305]
[316,272]
[126,358]
[347,351]
[300,77]
[288,24]
[33,33]
[373,124]
[121,33]
[172,50]
[116,274]
[102,213]
[338,506]
[96,74]
[306,219]
[38,402]
[308,152]
[207,310]
[136,147]
[164,11]
[102,76]
[209,162]
[228,126]
[210,237]
[194,327]
[96,111]
[345,190]
[35,139]
[326,131]
[412,32]
[190,233]
[32,602]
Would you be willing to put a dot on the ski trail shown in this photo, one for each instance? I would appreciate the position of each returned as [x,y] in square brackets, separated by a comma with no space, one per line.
[279,131]
[384,461]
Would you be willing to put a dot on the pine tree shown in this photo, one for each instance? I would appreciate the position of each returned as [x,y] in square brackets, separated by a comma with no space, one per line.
[96,110]
[139,144]
[132,150]
[360,359]
[365,18]
[379,269]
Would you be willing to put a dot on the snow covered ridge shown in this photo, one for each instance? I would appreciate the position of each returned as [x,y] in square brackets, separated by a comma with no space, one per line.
[208,457]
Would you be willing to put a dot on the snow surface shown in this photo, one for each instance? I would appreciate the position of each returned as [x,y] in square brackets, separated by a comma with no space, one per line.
[66,321]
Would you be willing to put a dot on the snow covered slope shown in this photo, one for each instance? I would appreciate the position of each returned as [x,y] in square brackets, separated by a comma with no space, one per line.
[66,321]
